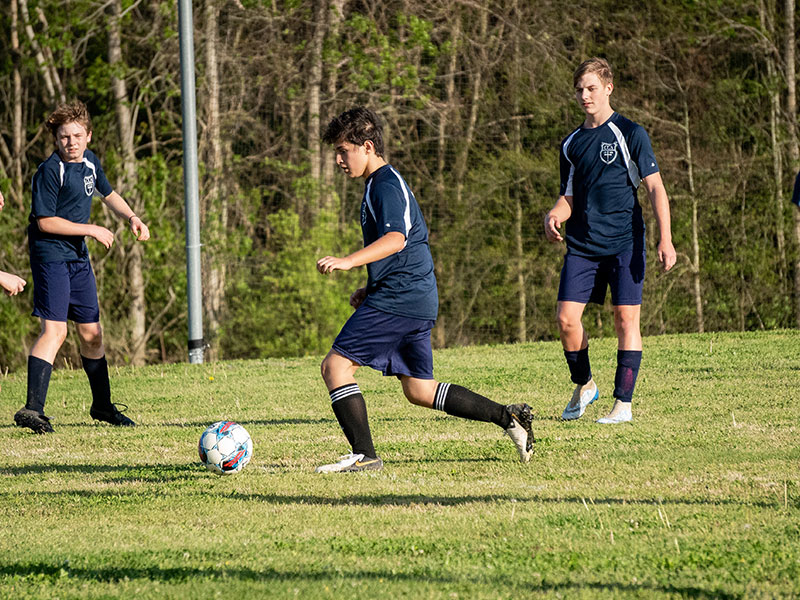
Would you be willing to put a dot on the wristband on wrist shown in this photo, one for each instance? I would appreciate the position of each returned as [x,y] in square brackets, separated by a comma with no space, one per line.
[131,218]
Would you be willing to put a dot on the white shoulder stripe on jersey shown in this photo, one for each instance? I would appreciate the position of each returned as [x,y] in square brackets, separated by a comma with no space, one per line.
[90,164]
[407,211]
[633,170]
[568,191]
[60,174]
[369,201]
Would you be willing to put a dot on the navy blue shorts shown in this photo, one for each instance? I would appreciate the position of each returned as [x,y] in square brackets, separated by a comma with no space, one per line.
[388,343]
[585,279]
[65,290]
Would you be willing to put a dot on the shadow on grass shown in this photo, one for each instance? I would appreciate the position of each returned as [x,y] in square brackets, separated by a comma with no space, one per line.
[160,472]
[174,575]
[406,500]
[190,471]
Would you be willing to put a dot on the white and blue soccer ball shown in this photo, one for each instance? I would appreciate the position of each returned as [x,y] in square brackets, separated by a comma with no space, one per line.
[225,448]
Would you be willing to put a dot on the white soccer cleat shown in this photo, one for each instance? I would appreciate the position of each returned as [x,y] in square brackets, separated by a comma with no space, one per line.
[519,430]
[621,413]
[582,397]
[352,462]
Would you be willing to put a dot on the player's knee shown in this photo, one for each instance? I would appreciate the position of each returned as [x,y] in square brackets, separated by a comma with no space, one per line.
[414,397]
[566,323]
[55,333]
[92,337]
[327,369]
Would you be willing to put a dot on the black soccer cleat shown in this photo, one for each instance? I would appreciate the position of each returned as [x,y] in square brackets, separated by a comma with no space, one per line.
[519,430]
[112,415]
[31,419]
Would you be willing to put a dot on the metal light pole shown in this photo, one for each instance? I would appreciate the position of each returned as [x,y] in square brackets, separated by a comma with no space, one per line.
[194,288]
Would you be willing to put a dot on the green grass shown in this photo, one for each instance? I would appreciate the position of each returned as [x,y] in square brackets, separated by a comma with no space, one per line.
[698,498]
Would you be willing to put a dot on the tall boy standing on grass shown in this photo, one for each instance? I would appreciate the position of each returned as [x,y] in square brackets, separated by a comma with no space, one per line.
[63,281]
[390,329]
[602,163]
[11,284]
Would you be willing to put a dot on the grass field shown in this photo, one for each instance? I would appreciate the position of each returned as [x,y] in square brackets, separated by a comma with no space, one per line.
[698,498]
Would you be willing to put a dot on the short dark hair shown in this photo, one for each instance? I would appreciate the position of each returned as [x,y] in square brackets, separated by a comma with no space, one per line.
[356,126]
[69,112]
[598,66]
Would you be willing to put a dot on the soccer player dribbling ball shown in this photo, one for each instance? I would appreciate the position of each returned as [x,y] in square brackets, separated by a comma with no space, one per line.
[64,285]
[11,284]
[602,164]
[390,329]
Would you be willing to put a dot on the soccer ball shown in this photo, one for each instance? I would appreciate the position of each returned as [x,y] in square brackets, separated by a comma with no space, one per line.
[225,448]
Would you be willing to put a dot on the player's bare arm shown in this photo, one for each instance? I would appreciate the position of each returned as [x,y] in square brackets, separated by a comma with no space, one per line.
[117,203]
[660,202]
[556,217]
[357,297]
[61,226]
[386,245]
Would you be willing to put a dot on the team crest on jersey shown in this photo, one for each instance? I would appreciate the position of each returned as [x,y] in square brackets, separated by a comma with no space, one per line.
[608,152]
[363,213]
[88,184]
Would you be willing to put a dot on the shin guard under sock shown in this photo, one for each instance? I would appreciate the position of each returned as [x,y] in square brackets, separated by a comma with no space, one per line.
[351,412]
[461,402]
[628,362]
[39,372]
[97,372]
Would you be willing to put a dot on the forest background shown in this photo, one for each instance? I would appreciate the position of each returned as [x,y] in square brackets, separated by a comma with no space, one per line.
[476,97]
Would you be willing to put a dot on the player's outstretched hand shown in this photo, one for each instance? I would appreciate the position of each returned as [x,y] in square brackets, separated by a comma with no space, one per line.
[329,264]
[357,297]
[2,201]
[139,229]
[551,227]
[103,235]
[666,255]
[11,284]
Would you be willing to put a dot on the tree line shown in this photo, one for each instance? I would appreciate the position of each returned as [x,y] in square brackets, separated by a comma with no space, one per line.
[476,97]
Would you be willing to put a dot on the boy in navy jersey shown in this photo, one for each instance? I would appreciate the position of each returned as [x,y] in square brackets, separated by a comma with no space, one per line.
[63,281]
[11,284]
[390,329]
[602,164]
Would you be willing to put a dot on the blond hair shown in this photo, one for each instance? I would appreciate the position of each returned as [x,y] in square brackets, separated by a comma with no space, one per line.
[598,66]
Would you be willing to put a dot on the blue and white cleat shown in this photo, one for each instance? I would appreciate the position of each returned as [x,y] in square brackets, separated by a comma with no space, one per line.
[582,397]
[621,413]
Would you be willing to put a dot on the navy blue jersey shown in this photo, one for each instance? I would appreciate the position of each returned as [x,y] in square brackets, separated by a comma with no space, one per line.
[796,194]
[64,189]
[601,169]
[404,283]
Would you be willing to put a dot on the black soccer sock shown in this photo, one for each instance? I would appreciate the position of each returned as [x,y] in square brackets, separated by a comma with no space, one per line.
[461,402]
[97,372]
[39,372]
[628,362]
[351,412]
[579,368]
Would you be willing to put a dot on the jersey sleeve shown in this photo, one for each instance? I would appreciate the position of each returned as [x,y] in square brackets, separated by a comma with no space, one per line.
[45,188]
[796,194]
[101,184]
[392,208]
[566,171]
[642,152]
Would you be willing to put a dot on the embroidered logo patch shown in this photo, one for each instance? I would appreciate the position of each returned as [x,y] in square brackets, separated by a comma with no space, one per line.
[88,185]
[608,152]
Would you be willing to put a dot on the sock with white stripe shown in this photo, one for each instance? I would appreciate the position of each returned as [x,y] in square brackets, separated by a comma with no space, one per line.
[461,402]
[351,412]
